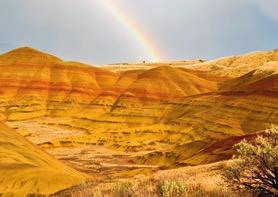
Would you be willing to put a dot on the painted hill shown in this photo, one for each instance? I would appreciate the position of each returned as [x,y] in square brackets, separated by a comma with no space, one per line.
[27,55]
[167,82]
[52,86]
[132,119]
[122,67]
[264,78]
[33,83]
[235,66]
[249,104]
[25,169]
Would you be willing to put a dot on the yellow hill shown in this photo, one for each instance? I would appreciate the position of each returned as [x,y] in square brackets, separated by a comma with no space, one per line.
[167,82]
[236,66]
[33,84]
[24,169]
[247,82]
[28,55]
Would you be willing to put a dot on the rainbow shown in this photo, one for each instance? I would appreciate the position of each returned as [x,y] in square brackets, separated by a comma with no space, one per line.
[145,41]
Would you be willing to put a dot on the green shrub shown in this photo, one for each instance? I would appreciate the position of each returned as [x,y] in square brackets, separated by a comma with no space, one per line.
[171,189]
[125,189]
[256,168]
[97,193]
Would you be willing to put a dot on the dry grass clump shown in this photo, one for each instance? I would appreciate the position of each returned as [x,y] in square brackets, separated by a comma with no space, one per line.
[125,189]
[171,189]
[198,181]
[172,183]
[167,188]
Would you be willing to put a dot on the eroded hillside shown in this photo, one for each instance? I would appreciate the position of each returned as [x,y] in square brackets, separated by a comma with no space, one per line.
[26,170]
[127,119]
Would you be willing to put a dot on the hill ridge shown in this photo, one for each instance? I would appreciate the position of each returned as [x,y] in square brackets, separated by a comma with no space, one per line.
[28,55]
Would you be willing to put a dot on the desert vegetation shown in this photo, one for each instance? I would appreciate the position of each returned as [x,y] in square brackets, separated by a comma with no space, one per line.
[251,172]
[194,181]
[256,165]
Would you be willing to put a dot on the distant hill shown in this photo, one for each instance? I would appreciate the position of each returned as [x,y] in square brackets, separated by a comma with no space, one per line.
[235,66]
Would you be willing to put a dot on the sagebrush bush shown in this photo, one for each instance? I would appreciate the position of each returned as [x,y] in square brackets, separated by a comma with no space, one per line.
[171,188]
[256,168]
[125,189]
[97,193]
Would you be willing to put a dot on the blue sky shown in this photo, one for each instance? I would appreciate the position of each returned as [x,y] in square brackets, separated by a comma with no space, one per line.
[85,30]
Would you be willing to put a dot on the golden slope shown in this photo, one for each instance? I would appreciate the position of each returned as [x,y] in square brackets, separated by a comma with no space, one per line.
[122,67]
[166,82]
[34,84]
[197,122]
[236,66]
[139,98]
[250,81]
[28,55]
[24,169]
[194,122]
[212,117]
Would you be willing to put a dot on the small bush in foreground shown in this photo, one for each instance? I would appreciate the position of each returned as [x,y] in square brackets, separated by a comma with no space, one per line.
[125,189]
[171,189]
[257,167]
